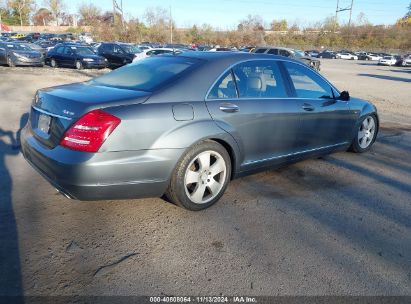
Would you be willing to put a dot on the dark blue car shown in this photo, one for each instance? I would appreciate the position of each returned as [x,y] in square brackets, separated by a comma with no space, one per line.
[74,55]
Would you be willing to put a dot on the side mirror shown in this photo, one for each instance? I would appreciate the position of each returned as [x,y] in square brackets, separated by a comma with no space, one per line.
[344,96]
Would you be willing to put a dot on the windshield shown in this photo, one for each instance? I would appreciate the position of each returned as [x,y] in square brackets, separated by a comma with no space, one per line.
[18,47]
[146,74]
[299,53]
[83,50]
[388,57]
[130,49]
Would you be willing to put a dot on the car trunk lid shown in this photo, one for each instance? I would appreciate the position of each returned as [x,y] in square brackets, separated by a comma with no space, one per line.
[55,109]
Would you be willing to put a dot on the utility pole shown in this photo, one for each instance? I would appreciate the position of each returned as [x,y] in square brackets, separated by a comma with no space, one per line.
[339,10]
[118,9]
[171,27]
[349,22]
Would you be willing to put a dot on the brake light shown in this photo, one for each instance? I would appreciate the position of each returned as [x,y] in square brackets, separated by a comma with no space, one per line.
[90,132]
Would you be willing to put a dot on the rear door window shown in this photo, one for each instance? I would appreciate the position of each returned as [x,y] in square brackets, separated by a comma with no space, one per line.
[224,88]
[259,79]
[308,84]
[260,51]
[273,52]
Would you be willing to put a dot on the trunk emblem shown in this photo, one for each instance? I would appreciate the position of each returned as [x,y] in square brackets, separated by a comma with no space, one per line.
[68,113]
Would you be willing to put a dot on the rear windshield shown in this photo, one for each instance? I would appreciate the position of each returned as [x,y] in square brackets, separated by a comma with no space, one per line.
[147,74]
[83,50]
[131,49]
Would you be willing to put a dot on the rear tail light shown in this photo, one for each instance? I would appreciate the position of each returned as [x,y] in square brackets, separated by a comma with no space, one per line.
[90,132]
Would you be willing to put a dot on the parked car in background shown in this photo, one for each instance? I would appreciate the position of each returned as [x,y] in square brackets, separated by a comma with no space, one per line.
[220,49]
[19,54]
[74,55]
[117,54]
[347,56]
[86,37]
[155,52]
[312,53]
[32,37]
[8,34]
[47,45]
[173,125]
[327,54]
[290,53]
[387,60]
[18,36]
[406,61]
[368,56]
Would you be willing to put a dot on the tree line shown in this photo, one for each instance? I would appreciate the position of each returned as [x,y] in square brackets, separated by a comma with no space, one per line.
[156,25]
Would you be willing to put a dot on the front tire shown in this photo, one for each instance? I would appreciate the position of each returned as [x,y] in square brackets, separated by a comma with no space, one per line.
[366,134]
[200,177]
[79,65]
[10,62]
[53,63]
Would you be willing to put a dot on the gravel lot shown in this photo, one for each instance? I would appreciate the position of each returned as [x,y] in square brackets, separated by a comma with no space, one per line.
[339,225]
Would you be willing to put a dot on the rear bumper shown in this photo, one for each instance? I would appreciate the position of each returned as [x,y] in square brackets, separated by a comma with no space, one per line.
[101,176]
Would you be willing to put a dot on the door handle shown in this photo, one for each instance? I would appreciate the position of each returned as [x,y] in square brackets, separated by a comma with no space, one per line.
[308,107]
[229,107]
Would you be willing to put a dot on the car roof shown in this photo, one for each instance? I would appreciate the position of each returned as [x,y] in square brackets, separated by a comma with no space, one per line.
[233,56]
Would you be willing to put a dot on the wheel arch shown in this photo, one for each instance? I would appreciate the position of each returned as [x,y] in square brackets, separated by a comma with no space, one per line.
[231,153]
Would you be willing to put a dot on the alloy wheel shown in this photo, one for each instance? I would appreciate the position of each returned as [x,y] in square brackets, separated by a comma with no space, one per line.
[205,176]
[366,132]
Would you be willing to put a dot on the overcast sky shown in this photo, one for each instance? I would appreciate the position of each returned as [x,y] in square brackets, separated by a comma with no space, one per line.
[226,13]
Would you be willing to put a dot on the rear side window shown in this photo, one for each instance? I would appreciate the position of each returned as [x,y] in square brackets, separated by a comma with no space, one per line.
[224,88]
[260,51]
[273,52]
[147,74]
[307,84]
[259,79]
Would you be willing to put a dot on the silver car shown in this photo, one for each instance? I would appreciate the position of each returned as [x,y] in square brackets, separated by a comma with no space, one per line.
[184,125]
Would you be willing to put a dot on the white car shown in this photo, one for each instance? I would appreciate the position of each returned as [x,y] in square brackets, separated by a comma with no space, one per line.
[347,56]
[154,52]
[373,57]
[407,61]
[387,60]
[86,37]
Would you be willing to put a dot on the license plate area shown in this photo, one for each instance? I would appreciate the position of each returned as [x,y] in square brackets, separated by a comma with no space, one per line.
[43,124]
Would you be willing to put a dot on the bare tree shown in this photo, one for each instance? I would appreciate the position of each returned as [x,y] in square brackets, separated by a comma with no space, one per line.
[22,7]
[56,7]
[89,13]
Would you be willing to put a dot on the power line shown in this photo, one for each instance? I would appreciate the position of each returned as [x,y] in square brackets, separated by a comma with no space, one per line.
[343,9]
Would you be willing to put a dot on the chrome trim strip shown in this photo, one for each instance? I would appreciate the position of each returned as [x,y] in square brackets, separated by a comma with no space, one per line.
[291,154]
[264,59]
[51,114]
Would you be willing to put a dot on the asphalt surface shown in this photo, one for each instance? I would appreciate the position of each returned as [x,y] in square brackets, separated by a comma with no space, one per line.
[339,225]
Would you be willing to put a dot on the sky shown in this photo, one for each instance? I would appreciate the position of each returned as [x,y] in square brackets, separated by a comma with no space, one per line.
[225,14]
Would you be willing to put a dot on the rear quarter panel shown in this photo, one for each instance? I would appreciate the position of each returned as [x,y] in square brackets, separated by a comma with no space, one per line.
[152,126]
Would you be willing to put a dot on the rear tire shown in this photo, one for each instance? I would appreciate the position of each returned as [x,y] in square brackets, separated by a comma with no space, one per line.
[200,177]
[366,134]
[53,63]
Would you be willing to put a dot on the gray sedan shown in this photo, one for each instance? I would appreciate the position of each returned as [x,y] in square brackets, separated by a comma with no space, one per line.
[184,125]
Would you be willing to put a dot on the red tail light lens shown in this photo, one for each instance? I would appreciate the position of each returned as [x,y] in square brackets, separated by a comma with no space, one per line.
[90,132]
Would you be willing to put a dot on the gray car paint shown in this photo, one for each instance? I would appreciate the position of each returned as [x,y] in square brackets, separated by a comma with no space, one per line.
[156,129]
